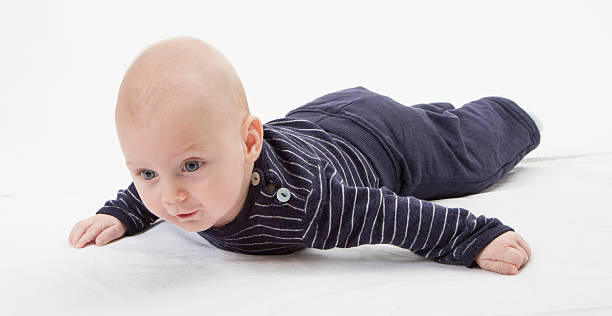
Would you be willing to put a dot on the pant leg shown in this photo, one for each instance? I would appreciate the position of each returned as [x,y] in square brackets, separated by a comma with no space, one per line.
[441,151]
[467,149]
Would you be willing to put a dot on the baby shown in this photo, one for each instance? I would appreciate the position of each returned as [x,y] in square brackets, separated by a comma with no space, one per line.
[352,167]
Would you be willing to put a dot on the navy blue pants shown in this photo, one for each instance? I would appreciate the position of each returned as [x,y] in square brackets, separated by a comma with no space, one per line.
[429,151]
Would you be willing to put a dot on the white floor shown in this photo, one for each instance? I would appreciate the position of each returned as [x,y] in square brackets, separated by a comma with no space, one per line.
[559,205]
[62,63]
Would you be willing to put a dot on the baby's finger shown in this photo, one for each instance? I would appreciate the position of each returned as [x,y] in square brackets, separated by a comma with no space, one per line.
[524,245]
[524,252]
[511,255]
[108,235]
[92,232]
[78,230]
[499,267]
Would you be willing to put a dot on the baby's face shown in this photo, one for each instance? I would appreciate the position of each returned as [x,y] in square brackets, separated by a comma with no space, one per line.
[187,164]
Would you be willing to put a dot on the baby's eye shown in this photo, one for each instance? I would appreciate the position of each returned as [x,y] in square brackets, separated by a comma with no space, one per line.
[147,174]
[192,165]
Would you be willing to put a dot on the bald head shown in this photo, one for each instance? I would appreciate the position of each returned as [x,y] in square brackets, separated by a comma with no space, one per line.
[181,76]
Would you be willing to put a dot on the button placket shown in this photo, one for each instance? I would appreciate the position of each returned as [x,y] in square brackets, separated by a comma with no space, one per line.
[280,194]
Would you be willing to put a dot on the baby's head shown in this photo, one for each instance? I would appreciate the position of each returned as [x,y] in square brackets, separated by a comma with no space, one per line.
[186,133]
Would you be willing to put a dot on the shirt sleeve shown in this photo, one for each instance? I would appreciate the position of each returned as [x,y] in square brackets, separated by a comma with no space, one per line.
[349,216]
[129,209]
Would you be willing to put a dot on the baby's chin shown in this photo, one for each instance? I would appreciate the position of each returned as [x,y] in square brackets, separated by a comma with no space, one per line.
[193,226]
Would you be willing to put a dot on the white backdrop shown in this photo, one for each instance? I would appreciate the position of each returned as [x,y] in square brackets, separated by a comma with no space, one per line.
[61,64]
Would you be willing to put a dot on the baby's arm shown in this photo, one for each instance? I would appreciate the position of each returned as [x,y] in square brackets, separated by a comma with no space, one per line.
[350,216]
[125,215]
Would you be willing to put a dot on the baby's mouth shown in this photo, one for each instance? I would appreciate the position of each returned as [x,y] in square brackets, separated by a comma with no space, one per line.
[187,216]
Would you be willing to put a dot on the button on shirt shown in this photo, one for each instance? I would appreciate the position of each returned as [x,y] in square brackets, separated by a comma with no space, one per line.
[283,195]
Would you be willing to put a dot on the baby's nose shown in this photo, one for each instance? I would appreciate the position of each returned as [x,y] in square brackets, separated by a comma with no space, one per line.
[171,198]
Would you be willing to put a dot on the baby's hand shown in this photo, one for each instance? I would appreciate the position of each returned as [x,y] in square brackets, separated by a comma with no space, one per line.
[506,254]
[101,227]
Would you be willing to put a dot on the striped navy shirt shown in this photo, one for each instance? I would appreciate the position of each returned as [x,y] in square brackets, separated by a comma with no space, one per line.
[334,200]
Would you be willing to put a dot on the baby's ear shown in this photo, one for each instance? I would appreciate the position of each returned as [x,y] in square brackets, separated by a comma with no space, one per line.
[253,137]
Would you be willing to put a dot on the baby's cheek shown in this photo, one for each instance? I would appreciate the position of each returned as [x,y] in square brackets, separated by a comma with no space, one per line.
[157,213]
[154,208]
[230,190]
